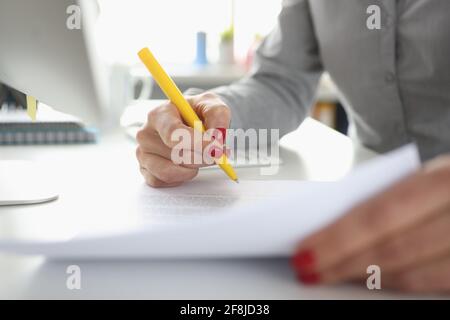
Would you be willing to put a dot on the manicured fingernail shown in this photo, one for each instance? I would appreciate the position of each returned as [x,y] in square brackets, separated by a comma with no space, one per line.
[309,278]
[223,135]
[304,261]
[216,153]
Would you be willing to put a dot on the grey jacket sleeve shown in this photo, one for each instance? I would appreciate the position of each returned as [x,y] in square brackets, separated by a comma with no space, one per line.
[281,86]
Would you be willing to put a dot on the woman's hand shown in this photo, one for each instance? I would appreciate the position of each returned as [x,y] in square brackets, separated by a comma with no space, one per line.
[160,135]
[405,231]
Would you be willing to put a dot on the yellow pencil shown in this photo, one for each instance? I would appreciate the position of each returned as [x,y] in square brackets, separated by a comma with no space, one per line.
[174,94]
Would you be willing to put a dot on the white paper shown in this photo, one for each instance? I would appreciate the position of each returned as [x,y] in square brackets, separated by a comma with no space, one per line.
[270,226]
[205,198]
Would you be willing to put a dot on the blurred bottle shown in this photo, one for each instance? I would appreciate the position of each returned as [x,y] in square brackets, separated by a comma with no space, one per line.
[201,58]
[226,47]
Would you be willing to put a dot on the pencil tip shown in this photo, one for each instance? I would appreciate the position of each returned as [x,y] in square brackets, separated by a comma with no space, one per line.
[237,180]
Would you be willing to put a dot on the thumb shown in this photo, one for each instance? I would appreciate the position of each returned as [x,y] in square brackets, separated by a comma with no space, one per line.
[216,117]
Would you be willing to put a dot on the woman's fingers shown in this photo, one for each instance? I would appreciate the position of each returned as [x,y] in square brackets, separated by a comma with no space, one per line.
[165,121]
[406,204]
[150,142]
[167,144]
[168,124]
[211,109]
[410,249]
[157,170]
[154,145]
[165,135]
[154,182]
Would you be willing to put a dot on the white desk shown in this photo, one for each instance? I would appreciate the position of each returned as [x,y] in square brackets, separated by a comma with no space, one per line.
[312,152]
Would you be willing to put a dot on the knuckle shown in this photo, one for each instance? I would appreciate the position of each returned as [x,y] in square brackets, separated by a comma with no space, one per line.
[172,127]
[156,113]
[170,137]
[166,108]
[141,135]
[153,181]
[209,95]
[373,217]
[153,114]
[219,111]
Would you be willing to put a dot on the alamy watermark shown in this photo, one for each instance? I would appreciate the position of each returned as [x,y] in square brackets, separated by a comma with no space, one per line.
[73,281]
[373,22]
[374,280]
[251,146]
[73,21]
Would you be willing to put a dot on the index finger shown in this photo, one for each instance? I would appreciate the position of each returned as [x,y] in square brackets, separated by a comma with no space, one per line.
[405,204]
[166,121]
[214,113]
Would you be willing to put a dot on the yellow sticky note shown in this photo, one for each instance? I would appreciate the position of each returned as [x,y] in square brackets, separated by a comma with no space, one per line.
[31,107]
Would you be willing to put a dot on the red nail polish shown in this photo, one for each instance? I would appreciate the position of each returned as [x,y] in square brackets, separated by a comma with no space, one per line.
[223,132]
[216,153]
[304,261]
[309,278]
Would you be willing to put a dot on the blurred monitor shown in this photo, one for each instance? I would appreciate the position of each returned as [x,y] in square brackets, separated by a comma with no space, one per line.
[45,55]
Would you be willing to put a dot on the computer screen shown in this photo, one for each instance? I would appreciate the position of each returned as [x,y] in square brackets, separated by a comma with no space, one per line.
[48,52]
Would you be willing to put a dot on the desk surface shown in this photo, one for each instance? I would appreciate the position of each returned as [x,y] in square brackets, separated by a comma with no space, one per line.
[313,152]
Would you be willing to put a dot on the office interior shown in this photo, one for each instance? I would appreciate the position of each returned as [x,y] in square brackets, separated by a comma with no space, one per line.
[212,45]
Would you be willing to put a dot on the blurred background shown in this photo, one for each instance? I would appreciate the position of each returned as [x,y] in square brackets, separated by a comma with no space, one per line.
[169,27]
[202,43]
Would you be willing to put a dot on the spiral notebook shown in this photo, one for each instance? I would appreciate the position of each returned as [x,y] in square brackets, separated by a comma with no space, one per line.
[50,127]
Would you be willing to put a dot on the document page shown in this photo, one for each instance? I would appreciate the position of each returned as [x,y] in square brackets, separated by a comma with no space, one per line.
[206,198]
[254,219]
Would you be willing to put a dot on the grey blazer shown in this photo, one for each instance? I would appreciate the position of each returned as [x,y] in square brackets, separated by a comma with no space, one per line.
[395,81]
